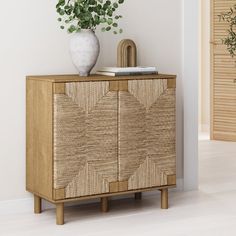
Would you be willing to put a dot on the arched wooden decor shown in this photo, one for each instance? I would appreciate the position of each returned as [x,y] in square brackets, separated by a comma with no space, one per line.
[127,53]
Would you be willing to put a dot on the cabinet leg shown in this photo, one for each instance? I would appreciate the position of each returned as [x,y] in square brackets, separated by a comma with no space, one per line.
[164,198]
[37,205]
[138,196]
[104,204]
[60,213]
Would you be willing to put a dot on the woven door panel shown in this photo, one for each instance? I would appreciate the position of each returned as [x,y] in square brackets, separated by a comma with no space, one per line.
[85,139]
[146,155]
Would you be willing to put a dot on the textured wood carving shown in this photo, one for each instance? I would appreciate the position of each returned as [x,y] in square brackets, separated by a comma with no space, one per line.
[146,134]
[85,139]
[127,53]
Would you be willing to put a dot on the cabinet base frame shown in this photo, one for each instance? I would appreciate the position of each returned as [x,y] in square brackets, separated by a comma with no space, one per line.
[104,201]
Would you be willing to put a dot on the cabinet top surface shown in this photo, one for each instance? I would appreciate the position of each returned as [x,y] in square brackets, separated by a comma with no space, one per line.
[77,78]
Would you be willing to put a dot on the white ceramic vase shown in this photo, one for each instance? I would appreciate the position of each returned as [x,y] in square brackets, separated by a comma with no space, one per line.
[84,49]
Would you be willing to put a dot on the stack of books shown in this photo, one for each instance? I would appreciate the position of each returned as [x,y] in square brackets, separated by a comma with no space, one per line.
[125,71]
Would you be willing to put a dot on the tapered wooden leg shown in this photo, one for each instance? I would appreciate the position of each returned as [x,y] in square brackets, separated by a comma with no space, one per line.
[60,213]
[138,196]
[37,205]
[164,198]
[104,204]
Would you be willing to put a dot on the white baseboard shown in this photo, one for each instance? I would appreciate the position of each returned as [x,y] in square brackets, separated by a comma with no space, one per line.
[27,204]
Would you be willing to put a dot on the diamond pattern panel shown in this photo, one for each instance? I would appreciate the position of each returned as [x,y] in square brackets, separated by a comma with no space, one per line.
[147,134]
[85,141]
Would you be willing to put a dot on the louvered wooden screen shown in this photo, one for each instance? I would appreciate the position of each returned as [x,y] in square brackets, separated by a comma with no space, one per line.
[223,77]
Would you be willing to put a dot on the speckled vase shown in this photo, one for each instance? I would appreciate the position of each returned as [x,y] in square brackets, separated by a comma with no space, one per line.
[84,49]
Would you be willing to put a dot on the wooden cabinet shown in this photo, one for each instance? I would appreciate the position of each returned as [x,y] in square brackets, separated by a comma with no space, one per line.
[223,78]
[99,136]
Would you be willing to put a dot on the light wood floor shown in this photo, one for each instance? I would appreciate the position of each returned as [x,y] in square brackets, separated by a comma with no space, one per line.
[211,211]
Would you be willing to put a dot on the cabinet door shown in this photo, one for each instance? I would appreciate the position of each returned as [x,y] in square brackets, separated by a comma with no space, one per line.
[85,139]
[146,138]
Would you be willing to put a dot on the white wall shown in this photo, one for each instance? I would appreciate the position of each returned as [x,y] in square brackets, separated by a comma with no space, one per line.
[205,66]
[31,43]
[191,29]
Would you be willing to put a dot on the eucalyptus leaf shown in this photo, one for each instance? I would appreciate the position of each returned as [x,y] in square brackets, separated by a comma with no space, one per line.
[89,14]
[230,39]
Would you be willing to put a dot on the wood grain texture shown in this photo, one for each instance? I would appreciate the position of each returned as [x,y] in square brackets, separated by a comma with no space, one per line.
[114,187]
[74,199]
[123,85]
[147,123]
[212,47]
[171,83]
[39,141]
[127,53]
[114,85]
[171,180]
[59,194]
[223,74]
[59,88]
[37,204]
[60,213]
[104,204]
[118,186]
[85,134]
[164,199]
[96,78]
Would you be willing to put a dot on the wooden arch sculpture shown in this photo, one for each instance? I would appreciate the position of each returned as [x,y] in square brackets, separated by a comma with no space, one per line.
[127,53]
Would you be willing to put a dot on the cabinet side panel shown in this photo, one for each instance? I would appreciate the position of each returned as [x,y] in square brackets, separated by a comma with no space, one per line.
[29,135]
[147,156]
[39,138]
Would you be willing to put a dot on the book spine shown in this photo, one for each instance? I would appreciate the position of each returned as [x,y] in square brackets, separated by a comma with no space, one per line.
[134,73]
[125,73]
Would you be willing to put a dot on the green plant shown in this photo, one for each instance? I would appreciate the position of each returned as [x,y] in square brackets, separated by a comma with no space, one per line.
[88,14]
[230,40]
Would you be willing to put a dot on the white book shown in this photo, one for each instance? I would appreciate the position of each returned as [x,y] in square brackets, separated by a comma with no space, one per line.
[124,73]
[106,73]
[128,69]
